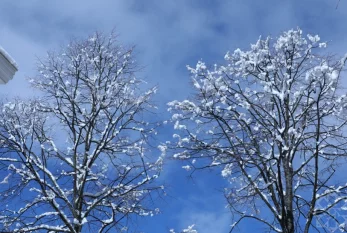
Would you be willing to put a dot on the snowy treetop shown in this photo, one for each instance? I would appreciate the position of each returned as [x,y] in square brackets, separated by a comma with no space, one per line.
[272,118]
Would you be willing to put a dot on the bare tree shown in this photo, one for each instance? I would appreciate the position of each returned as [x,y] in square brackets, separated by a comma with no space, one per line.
[274,121]
[77,160]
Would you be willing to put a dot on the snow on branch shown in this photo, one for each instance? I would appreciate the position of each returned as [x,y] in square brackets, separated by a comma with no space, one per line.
[273,120]
[79,153]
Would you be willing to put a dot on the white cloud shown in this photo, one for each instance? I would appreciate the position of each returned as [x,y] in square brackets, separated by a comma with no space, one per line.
[168,35]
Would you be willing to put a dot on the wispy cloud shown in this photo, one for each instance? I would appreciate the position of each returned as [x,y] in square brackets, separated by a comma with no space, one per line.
[168,36]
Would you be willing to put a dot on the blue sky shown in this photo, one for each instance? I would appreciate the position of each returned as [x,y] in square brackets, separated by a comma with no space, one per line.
[168,36]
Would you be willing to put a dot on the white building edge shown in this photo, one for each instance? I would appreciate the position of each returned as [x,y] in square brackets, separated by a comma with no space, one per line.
[8,67]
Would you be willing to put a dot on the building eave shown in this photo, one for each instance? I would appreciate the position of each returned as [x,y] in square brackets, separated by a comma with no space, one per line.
[8,67]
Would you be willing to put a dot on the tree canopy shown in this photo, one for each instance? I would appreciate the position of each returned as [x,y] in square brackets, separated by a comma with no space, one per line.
[76,159]
[273,118]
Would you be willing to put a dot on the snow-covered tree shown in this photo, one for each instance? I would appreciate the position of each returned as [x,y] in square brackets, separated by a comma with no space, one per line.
[76,159]
[273,119]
